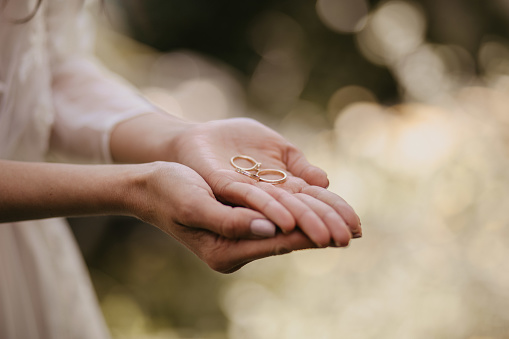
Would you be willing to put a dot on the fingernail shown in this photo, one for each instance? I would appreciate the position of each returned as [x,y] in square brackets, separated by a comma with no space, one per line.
[340,244]
[263,228]
[357,235]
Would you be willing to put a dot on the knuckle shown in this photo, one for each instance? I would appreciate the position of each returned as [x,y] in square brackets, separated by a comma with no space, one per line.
[295,184]
[187,212]
[308,171]
[269,205]
[221,183]
[315,176]
[228,230]
[332,218]
[237,223]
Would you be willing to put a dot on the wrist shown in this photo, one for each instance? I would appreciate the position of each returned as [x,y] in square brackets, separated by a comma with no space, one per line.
[146,138]
[133,199]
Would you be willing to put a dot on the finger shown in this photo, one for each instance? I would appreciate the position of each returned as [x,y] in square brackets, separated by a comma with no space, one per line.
[299,166]
[339,205]
[230,222]
[308,221]
[337,227]
[248,195]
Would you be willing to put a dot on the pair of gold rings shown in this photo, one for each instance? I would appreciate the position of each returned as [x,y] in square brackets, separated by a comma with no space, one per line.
[256,172]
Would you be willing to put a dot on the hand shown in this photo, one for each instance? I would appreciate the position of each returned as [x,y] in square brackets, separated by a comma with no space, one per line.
[178,201]
[301,201]
[168,194]
[207,148]
[227,255]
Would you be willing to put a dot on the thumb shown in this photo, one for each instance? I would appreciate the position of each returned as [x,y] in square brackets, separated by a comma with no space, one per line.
[300,167]
[230,222]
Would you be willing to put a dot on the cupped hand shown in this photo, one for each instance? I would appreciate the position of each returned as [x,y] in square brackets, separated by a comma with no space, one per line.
[177,200]
[228,255]
[166,194]
[302,200]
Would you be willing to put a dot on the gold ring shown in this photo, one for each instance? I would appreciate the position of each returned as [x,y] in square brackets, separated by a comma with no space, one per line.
[249,174]
[272,171]
[255,167]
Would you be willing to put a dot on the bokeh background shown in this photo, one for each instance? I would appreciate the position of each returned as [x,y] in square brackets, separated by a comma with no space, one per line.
[404,103]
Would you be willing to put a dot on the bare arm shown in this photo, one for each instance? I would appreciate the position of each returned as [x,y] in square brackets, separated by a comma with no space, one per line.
[167,195]
[159,193]
[207,148]
[42,190]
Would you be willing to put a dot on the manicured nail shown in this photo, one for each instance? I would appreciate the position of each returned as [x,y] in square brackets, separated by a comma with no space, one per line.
[263,228]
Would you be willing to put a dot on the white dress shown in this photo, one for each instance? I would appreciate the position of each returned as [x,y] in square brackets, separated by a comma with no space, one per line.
[54,98]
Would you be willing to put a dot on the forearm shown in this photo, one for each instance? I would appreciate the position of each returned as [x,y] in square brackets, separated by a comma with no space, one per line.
[41,190]
[146,138]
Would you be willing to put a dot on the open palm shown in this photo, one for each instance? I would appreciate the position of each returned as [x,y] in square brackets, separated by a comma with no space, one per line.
[302,200]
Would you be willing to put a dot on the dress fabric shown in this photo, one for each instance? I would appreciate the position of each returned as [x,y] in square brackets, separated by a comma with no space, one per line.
[55,98]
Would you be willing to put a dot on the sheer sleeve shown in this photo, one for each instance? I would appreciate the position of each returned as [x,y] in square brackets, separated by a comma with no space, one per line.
[89,100]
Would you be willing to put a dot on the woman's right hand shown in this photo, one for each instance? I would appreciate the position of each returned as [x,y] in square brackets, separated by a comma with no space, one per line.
[170,196]
[166,194]
[177,200]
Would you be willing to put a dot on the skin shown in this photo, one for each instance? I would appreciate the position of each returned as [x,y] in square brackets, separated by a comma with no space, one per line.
[301,201]
[183,184]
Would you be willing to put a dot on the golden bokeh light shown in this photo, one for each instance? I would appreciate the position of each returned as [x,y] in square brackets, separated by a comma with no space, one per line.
[177,79]
[363,129]
[343,16]
[424,138]
[428,176]
[422,75]
[494,61]
[393,30]
[345,96]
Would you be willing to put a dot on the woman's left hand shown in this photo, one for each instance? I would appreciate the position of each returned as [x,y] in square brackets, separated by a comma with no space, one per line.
[302,200]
